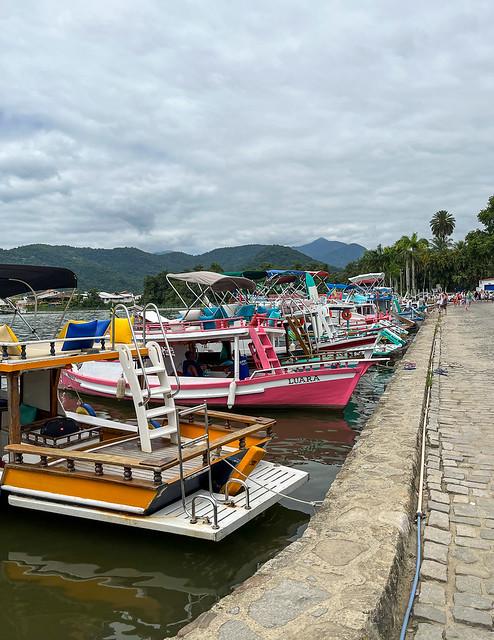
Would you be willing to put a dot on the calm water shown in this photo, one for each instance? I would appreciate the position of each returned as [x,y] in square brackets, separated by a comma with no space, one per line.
[77,580]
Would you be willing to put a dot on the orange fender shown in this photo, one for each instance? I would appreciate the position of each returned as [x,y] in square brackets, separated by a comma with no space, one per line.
[244,468]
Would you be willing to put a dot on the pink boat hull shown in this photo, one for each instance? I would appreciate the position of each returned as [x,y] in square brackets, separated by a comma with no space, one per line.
[349,343]
[328,387]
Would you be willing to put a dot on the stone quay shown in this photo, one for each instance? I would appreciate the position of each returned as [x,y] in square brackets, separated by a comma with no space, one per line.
[456,593]
[349,576]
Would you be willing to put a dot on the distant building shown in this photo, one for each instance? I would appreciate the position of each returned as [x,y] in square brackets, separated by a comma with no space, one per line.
[486,284]
[123,297]
[54,297]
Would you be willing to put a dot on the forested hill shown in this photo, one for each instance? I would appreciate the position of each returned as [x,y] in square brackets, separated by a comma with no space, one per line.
[332,251]
[126,267]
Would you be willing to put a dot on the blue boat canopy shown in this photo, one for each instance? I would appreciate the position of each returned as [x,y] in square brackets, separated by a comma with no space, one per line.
[284,272]
[339,286]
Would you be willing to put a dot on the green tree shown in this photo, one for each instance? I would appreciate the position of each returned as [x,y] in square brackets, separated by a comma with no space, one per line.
[442,225]
[411,248]
[486,216]
[90,301]
[215,266]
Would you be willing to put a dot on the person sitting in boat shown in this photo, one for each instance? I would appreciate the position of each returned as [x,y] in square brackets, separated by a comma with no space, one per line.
[227,366]
[191,366]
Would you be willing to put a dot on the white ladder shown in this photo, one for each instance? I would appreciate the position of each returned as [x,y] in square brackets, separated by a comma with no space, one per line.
[142,397]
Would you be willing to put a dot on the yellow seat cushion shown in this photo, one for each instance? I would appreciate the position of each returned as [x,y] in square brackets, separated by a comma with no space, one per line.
[63,331]
[7,335]
[123,330]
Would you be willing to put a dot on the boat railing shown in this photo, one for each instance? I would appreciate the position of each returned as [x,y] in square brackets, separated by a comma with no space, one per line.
[140,359]
[243,484]
[328,356]
[51,459]
[166,349]
[232,322]
[33,435]
[178,326]
[182,445]
[51,344]
[316,365]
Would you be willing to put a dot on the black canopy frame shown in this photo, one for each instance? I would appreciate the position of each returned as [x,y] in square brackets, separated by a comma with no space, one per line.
[16,279]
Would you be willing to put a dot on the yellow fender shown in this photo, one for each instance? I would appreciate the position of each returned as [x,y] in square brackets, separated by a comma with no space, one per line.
[244,468]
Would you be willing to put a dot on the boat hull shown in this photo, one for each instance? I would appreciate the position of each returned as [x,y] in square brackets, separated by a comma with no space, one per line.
[349,343]
[309,386]
[265,483]
[112,493]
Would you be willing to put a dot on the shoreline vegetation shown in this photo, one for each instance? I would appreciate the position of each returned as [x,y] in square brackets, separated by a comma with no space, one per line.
[414,264]
[411,265]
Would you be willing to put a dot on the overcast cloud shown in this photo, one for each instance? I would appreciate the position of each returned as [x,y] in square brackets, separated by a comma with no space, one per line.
[196,124]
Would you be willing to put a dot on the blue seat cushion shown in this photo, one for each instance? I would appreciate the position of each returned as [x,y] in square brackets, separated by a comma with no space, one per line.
[216,313]
[246,311]
[83,330]
[101,328]
[274,314]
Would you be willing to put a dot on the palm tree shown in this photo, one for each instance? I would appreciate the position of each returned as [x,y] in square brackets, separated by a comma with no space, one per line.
[440,244]
[402,247]
[410,249]
[442,224]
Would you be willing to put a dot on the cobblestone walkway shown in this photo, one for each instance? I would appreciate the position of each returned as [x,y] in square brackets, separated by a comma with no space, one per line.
[457,575]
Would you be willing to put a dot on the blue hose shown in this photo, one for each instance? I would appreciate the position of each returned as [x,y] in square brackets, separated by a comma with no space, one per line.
[415,581]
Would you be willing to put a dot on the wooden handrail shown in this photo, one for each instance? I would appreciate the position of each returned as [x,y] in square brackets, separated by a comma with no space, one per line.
[123,461]
[71,454]
[236,417]
[195,452]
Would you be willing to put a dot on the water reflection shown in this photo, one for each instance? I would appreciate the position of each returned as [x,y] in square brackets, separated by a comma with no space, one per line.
[64,578]
[108,582]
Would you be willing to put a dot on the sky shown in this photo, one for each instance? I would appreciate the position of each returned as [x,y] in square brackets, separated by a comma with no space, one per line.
[194,124]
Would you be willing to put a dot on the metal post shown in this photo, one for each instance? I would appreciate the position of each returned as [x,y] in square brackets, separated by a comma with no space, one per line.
[63,313]
[208,451]
[193,519]
[244,485]
[113,328]
[181,464]
[236,359]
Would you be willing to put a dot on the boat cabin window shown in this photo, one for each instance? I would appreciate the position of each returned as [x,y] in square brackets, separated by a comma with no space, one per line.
[213,359]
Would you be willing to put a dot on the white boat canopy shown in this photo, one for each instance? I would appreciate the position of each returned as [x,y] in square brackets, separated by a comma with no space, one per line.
[216,281]
[367,278]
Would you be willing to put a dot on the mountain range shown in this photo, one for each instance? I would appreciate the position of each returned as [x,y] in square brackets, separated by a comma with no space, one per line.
[332,252]
[124,268]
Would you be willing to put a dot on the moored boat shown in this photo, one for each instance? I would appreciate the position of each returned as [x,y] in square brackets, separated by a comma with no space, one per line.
[189,471]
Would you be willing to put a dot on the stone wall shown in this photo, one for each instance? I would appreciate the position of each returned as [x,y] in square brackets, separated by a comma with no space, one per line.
[339,580]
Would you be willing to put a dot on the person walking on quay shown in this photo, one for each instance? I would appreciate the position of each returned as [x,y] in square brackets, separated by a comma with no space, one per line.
[443,303]
[468,300]
[439,301]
